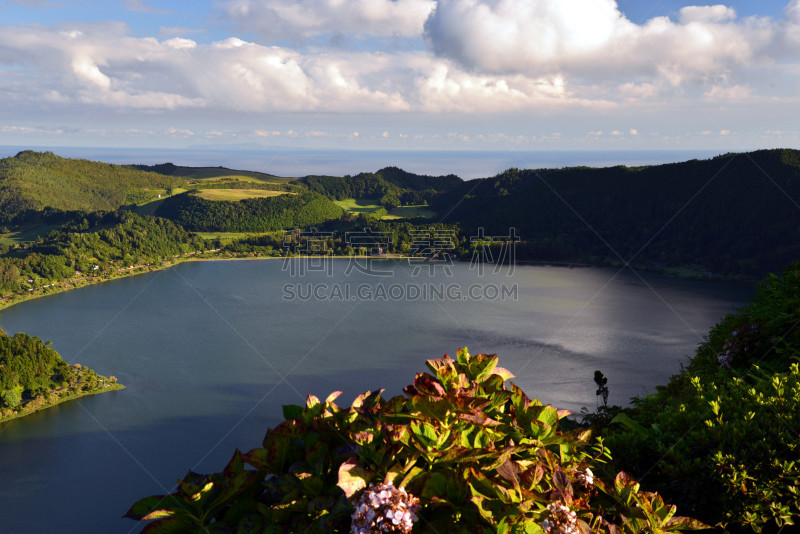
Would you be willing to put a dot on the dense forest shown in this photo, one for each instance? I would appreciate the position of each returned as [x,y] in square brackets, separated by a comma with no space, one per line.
[93,244]
[249,215]
[407,187]
[34,180]
[736,213]
[33,375]
[362,235]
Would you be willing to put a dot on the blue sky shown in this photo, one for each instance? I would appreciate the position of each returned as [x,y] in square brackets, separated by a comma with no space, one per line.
[403,74]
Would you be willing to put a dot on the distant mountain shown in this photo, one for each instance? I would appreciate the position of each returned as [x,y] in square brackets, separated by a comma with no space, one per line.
[34,180]
[389,180]
[732,213]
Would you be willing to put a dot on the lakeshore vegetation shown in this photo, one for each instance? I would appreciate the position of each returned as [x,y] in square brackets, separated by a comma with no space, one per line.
[717,443]
[33,376]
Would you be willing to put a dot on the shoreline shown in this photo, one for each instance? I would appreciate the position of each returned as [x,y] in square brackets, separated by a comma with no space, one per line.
[23,413]
[69,285]
[677,273]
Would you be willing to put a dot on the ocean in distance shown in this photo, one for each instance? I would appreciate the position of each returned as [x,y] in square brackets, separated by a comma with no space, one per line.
[292,162]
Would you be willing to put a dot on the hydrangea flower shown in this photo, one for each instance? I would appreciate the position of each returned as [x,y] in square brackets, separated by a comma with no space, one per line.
[585,477]
[384,508]
[561,521]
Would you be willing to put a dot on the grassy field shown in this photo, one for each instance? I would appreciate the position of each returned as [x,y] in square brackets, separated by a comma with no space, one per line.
[227,237]
[26,234]
[359,205]
[218,173]
[371,205]
[410,212]
[149,208]
[238,194]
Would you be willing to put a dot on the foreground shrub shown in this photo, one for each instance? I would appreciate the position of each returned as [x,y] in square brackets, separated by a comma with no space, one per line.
[727,451]
[460,453]
[722,439]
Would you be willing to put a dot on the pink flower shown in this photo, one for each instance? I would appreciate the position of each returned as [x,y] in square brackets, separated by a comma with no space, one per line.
[384,508]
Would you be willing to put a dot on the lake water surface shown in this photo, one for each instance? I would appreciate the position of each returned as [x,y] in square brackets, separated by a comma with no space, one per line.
[210,351]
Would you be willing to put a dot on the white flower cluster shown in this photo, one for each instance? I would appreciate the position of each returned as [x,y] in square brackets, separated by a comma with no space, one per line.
[585,477]
[562,520]
[384,508]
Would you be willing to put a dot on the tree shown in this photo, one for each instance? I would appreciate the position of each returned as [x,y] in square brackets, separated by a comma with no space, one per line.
[390,201]
[9,274]
[12,397]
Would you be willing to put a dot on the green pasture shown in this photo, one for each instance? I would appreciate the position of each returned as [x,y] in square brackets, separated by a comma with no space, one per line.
[218,173]
[410,212]
[359,205]
[227,237]
[26,234]
[237,194]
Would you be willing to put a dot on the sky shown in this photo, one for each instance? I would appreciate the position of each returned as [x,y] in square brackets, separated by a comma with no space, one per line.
[401,74]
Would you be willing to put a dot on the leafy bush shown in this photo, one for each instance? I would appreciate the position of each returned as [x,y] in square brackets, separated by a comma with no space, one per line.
[722,439]
[465,452]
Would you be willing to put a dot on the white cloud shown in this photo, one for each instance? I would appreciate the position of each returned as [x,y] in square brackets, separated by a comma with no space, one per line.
[179,43]
[593,40]
[633,92]
[295,19]
[717,13]
[494,56]
[444,86]
[732,93]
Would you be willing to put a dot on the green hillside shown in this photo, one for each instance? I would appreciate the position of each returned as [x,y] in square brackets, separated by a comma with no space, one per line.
[33,376]
[736,213]
[408,187]
[212,173]
[249,215]
[34,180]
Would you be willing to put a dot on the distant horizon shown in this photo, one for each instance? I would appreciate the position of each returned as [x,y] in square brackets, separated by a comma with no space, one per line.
[298,162]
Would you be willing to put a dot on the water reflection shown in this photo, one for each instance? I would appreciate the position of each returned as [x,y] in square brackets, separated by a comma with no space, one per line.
[210,351]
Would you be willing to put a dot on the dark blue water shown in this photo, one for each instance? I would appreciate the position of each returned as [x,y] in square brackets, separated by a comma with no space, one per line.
[210,352]
[294,162]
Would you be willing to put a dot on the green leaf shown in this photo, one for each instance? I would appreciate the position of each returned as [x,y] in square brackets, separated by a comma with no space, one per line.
[332,397]
[172,525]
[436,409]
[312,401]
[158,514]
[486,367]
[424,432]
[685,523]
[149,505]
[503,373]
[630,424]
[292,411]
[353,477]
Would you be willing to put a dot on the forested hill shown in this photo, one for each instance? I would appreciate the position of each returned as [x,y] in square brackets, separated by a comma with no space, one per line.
[409,187]
[33,376]
[733,213]
[251,214]
[34,180]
